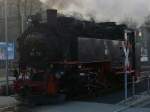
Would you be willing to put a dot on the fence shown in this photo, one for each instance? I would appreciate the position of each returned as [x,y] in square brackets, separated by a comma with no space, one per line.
[138,86]
[3,81]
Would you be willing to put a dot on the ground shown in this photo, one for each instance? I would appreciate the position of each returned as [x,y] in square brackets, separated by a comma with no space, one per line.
[87,107]
[75,106]
[6,101]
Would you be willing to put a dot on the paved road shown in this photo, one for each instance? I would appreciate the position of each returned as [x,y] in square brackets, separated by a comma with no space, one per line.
[87,107]
[76,106]
[145,104]
[148,105]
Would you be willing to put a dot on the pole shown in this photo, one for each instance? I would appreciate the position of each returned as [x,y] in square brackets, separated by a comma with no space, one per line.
[22,22]
[6,50]
[133,86]
[126,64]
[148,84]
[126,85]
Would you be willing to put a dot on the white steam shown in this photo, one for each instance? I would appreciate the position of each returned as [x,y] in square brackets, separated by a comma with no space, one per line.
[104,10]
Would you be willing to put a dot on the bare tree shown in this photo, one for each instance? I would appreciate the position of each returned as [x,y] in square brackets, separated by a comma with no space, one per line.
[19,15]
[18,12]
[26,8]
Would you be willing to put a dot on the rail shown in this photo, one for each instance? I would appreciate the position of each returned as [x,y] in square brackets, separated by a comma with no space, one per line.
[8,108]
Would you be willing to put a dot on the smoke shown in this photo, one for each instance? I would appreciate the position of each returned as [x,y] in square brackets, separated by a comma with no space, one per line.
[62,4]
[103,10]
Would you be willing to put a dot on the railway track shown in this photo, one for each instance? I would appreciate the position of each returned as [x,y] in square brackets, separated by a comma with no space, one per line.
[10,108]
[140,102]
[16,108]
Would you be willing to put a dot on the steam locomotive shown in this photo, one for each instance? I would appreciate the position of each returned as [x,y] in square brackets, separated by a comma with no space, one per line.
[54,57]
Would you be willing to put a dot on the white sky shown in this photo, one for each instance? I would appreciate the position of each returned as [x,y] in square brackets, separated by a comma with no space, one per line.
[114,10]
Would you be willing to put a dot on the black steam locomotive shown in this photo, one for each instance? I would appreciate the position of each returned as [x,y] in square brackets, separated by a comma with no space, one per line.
[52,59]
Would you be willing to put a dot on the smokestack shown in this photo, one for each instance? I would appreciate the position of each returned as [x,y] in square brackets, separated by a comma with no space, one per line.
[52,17]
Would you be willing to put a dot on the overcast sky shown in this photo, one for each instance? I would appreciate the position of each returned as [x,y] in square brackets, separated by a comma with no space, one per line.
[101,10]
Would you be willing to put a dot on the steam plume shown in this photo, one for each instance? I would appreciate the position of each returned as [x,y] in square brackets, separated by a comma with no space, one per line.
[104,10]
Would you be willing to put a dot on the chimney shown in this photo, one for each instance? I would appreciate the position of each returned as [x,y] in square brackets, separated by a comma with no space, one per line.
[52,17]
